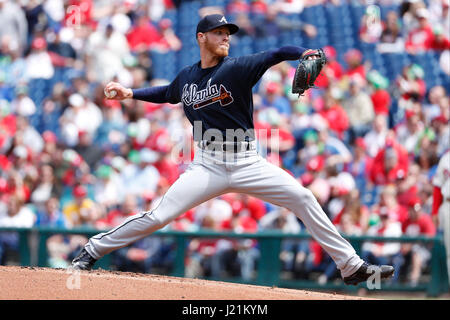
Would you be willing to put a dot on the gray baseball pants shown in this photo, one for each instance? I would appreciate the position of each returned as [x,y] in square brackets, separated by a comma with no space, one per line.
[213,173]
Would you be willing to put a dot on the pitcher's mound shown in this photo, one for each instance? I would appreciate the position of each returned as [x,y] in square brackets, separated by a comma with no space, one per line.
[44,283]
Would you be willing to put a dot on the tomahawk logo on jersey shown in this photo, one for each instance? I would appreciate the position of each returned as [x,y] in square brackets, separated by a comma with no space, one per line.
[202,98]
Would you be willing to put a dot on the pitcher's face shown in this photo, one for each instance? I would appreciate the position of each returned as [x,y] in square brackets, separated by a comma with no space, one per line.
[217,41]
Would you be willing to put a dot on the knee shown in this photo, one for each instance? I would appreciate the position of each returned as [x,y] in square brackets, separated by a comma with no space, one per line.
[305,196]
[159,220]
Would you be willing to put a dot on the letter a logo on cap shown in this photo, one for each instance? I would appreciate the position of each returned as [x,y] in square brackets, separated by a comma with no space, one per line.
[223,20]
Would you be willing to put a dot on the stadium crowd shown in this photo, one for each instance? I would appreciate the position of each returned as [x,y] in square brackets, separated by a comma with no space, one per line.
[366,147]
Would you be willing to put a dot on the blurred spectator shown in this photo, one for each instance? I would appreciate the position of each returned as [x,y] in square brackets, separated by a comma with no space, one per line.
[375,139]
[106,49]
[27,135]
[359,108]
[409,132]
[361,165]
[259,7]
[332,71]
[45,188]
[333,112]
[408,13]
[380,96]
[287,222]
[238,8]
[425,152]
[141,176]
[14,24]
[430,107]
[371,28]
[439,15]
[22,104]
[439,42]
[384,252]
[90,152]
[108,187]
[391,39]
[274,98]
[388,203]
[246,27]
[390,163]
[52,109]
[62,53]
[290,6]
[419,39]
[272,25]
[50,214]
[112,130]
[410,85]
[168,40]
[15,186]
[353,218]
[356,69]
[13,213]
[143,34]
[117,215]
[82,211]
[417,224]
[82,115]
[38,62]
[410,186]
[335,151]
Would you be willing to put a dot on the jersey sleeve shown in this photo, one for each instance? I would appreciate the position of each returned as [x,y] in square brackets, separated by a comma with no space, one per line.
[160,94]
[252,67]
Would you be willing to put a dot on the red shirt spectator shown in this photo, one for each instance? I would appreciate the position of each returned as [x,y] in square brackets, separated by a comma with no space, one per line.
[439,42]
[259,7]
[143,35]
[237,7]
[332,70]
[168,169]
[420,39]
[356,68]
[418,223]
[390,164]
[381,100]
[337,118]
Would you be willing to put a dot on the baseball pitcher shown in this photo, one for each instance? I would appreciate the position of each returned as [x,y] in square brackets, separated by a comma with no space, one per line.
[216,94]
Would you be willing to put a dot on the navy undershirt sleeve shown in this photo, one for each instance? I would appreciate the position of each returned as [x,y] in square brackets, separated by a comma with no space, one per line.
[252,67]
[284,53]
[151,94]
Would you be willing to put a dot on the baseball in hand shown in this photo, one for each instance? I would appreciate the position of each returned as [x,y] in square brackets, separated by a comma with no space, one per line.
[110,94]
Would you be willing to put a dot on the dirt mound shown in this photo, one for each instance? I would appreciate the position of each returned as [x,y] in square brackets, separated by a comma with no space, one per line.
[30,283]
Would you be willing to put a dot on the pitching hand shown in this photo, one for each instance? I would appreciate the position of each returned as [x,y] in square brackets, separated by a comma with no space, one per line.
[115,91]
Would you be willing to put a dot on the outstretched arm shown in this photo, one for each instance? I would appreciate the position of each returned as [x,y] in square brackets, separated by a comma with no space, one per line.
[115,91]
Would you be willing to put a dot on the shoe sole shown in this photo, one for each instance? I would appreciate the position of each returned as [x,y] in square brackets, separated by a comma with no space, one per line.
[356,282]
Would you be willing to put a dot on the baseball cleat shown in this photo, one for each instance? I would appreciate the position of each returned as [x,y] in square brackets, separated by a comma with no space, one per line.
[83,261]
[366,270]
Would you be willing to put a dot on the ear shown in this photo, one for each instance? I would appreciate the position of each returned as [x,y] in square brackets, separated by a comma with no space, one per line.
[201,37]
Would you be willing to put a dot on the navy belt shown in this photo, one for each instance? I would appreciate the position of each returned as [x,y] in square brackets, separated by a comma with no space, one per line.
[227,146]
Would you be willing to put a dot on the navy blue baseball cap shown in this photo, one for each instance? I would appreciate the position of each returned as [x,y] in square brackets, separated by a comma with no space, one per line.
[214,21]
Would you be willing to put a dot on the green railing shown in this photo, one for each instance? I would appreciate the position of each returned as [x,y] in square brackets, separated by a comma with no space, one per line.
[269,265]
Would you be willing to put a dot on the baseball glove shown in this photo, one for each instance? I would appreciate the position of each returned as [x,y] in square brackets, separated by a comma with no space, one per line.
[311,63]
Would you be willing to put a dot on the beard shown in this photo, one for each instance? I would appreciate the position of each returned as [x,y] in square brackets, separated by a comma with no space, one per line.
[216,49]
